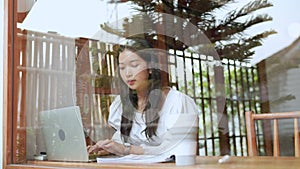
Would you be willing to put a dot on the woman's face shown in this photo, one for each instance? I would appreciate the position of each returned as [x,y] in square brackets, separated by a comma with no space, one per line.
[134,70]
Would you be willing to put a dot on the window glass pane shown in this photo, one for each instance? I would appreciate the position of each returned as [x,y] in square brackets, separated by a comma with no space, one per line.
[66,55]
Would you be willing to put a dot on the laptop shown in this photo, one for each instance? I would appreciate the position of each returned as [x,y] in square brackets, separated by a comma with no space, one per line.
[63,134]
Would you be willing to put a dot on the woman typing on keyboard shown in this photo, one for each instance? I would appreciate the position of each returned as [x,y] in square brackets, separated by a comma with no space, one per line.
[145,112]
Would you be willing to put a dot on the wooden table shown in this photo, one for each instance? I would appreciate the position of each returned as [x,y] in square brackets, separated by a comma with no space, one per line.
[203,162]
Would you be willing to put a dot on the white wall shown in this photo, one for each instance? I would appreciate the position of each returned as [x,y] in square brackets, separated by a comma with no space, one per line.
[283,80]
[1,75]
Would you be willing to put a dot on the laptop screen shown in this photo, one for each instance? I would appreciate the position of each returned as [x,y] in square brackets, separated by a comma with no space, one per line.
[63,134]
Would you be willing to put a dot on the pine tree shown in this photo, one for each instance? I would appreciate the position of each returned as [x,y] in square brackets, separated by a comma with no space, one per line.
[227,36]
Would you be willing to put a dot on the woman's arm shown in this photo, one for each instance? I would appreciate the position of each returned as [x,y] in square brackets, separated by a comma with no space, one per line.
[113,147]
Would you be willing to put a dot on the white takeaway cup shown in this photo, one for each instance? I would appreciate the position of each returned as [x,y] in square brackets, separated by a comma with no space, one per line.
[187,153]
[185,145]
[184,135]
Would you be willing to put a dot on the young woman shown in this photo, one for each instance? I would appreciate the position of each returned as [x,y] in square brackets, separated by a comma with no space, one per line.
[145,112]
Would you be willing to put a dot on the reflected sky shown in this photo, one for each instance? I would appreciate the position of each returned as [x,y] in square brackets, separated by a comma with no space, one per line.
[286,21]
[59,16]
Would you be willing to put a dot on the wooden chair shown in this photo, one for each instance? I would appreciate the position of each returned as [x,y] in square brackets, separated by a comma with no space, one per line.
[251,131]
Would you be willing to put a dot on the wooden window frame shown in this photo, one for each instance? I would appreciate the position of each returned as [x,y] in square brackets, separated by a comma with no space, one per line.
[8,53]
[10,56]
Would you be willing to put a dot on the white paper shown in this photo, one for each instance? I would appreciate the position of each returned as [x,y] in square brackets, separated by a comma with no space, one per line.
[132,158]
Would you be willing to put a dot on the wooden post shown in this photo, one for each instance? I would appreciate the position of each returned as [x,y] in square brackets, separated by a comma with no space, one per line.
[223,129]
[265,105]
[161,44]
[83,83]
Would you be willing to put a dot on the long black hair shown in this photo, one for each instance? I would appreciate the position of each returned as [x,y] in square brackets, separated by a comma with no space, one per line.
[129,97]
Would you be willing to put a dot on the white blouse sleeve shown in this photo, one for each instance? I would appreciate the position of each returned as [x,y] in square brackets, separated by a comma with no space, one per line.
[114,118]
[179,111]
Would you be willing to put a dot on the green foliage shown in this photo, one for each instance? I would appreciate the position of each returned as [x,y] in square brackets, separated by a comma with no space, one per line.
[227,35]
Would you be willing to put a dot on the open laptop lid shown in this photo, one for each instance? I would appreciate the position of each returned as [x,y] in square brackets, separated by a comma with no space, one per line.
[63,134]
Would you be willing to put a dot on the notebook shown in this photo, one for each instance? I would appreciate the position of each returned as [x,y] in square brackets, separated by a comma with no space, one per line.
[63,134]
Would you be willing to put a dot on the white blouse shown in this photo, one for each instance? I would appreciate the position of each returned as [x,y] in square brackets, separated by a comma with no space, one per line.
[173,114]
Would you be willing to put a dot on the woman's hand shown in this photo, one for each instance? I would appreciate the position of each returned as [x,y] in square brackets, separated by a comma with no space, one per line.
[95,150]
[107,145]
[110,146]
